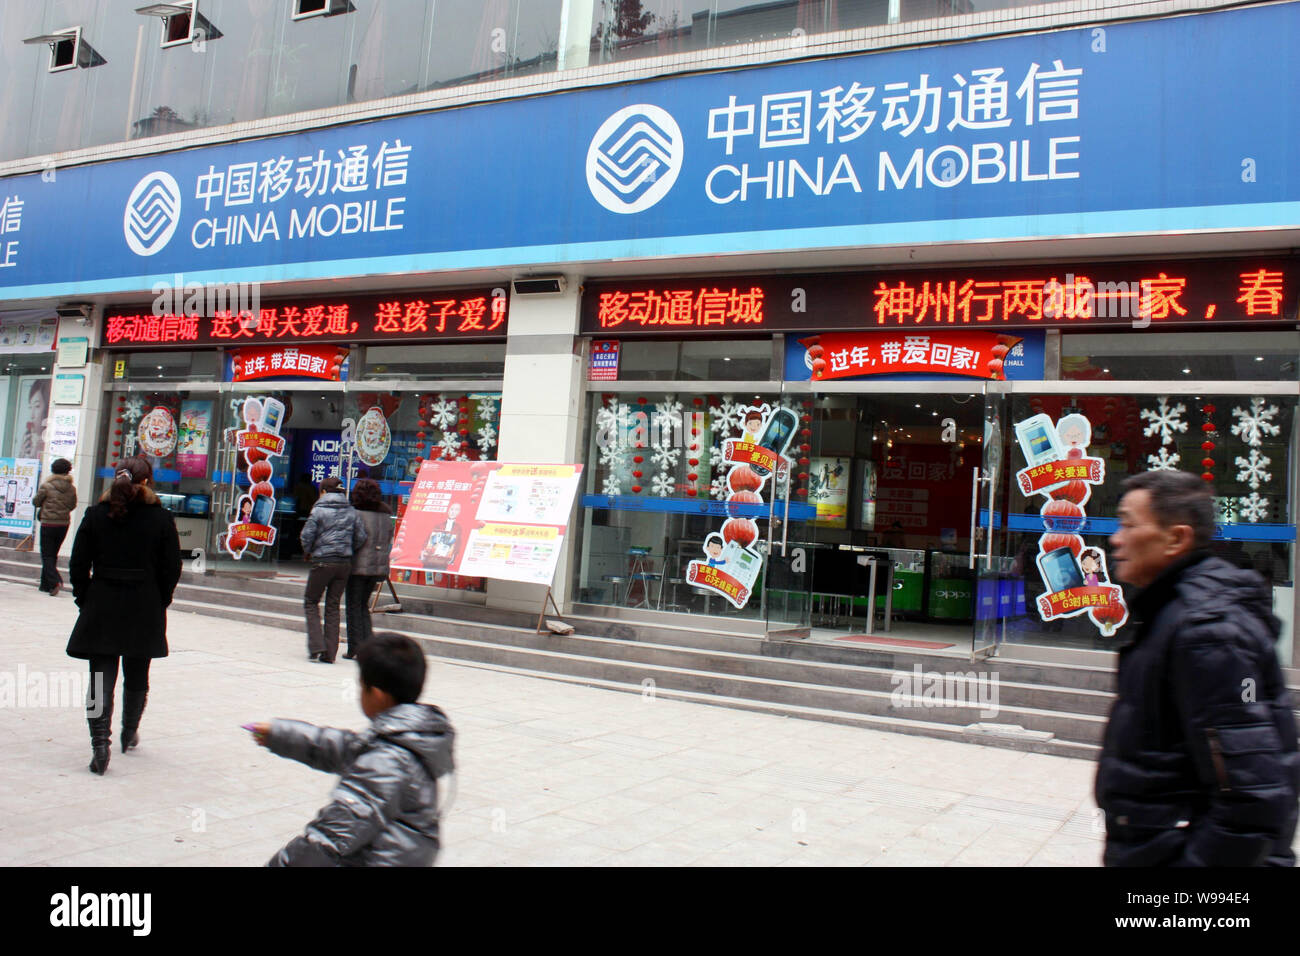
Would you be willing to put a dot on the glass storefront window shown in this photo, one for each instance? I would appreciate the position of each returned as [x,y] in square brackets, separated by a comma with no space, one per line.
[431,362]
[698,360]
[1182,356]
[655,485]
[194,366]
[1243,444]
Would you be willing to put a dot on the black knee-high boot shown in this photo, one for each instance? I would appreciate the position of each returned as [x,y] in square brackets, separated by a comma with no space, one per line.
[133,702]
[101,734]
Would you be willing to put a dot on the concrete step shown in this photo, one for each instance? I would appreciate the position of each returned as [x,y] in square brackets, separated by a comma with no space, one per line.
[544,658]
[854,676]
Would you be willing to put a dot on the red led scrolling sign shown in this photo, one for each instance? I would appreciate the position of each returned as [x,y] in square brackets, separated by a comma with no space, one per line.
[393,317]
[1135,294]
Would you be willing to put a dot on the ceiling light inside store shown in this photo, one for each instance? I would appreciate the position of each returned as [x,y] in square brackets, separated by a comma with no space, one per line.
[1187,371]
[1259,358]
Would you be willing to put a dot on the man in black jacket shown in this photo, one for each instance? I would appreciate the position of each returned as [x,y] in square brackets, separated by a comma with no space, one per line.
[1199,766]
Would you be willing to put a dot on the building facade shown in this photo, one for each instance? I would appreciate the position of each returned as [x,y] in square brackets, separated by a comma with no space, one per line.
[856,314]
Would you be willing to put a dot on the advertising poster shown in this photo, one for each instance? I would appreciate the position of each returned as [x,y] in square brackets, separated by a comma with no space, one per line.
[18,483]
[487,519]
[828,489]
[731,564]
[64,425]
[1059,468]
[195,433]
[30,416]
[870,490]
[257,442]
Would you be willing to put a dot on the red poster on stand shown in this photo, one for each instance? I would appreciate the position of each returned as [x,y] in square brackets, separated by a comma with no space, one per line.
[486,519]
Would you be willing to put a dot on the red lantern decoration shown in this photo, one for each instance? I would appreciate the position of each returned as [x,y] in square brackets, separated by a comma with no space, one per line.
[743,478]
[1207,462]
[262,489]
[1109,616]
[1050,542]
[1075,491]
[1207,446]
[1208,427]
[691,492]
[259,471]
[742,498]
[1208,476]
[636,489]
[1208,409]
[636,474]
[1062,515]
[744,531]
[692,477]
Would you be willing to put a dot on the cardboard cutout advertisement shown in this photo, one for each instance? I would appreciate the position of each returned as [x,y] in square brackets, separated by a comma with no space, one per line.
[1059,469]
[487,519]
[731,564]
[258,441]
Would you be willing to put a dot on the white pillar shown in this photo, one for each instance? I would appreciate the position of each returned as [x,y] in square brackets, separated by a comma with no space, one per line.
[91,424]
[541,408]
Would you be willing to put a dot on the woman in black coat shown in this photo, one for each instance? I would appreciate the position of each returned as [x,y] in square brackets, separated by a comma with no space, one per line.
[126,562]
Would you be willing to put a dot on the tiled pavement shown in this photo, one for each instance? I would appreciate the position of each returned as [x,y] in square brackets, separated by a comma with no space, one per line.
[549,772]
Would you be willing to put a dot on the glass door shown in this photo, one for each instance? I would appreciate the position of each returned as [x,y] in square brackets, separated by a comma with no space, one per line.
[998,590]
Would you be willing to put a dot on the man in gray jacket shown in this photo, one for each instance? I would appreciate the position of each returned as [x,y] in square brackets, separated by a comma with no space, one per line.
[55,501]
[385,809]
[332,534]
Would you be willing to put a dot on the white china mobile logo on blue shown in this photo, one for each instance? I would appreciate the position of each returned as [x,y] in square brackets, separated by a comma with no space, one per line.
[634,158]
[152,213]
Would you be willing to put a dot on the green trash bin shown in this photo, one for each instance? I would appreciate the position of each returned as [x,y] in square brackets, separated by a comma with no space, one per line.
[950,599]
[907,593]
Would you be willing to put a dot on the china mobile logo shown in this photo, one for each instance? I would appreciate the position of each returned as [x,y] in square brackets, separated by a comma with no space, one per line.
[634,158]
[152,213]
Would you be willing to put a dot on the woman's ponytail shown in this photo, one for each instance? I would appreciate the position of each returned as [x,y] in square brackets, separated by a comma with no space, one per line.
[126,486]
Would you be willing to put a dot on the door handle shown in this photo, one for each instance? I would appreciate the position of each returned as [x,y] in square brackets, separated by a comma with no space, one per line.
[988,555]
[974,508]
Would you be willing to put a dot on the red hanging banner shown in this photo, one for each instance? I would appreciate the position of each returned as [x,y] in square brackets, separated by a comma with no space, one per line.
[324,362]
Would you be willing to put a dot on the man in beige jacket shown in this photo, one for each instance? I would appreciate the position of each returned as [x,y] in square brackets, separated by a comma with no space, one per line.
[55,501]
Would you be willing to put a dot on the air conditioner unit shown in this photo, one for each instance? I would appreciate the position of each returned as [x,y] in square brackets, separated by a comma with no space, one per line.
[74,310]
[540,285]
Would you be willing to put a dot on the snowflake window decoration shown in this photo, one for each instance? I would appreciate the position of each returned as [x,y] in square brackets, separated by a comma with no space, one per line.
[727,417]
[667,416]
[612,486]
[718,487]
[663,485]
[444,413]
[1254,507]
[613,456]
[487,437]
[665,456]
[1253,471]
[1165,419]
[133,409]
[609,417]
[450,445]
[1254,424]
[1163,460]
[487,408]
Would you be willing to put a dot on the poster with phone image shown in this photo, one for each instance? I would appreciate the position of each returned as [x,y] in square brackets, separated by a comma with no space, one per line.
[257,442]
[1059,471]
[18,481]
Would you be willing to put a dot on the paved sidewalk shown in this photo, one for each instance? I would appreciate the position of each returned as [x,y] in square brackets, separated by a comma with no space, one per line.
[549,773]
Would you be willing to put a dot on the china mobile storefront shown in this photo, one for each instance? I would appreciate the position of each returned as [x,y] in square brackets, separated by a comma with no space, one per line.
[928,458]
[244,413]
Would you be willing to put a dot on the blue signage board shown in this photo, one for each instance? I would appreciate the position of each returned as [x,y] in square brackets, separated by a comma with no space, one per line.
[1162,125]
